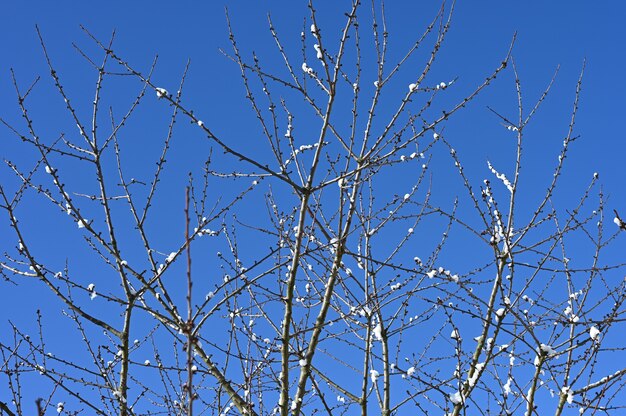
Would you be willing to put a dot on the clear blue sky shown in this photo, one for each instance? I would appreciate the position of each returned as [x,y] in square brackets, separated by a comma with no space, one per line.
[549,34]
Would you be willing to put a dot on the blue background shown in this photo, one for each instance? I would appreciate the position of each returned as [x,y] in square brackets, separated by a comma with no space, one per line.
[548,34]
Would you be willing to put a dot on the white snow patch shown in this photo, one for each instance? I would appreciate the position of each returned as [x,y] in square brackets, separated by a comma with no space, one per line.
[161,92]
[456,398]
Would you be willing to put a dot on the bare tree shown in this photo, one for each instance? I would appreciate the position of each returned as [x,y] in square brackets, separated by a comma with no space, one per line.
[346,281]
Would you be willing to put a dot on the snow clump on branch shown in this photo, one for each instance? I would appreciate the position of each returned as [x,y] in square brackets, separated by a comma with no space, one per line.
[161,92]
